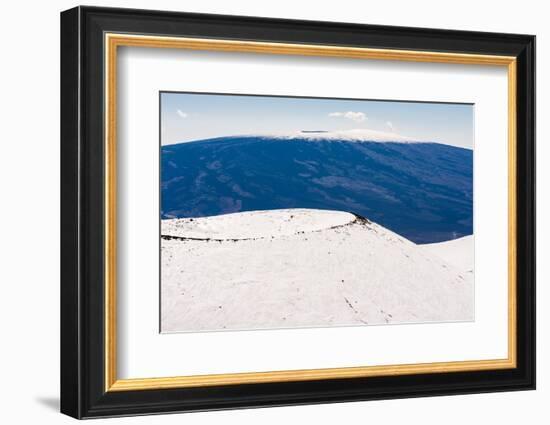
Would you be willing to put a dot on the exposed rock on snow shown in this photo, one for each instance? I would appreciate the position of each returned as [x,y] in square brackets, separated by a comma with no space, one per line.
[302,268]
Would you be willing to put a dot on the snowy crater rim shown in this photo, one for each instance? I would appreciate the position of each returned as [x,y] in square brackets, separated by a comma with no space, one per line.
[252,225]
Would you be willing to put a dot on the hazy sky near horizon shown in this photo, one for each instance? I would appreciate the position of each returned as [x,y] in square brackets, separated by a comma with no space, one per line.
[186,117]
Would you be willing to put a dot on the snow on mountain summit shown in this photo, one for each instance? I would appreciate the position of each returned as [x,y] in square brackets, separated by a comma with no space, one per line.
[354,135]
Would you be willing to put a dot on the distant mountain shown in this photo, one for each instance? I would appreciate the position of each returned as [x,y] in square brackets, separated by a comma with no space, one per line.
[422,191]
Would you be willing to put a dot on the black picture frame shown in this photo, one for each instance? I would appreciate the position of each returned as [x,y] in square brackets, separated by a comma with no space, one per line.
[83,392]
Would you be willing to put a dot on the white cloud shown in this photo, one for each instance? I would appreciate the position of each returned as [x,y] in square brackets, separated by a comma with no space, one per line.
[182,114]
[350,115]
[390,125]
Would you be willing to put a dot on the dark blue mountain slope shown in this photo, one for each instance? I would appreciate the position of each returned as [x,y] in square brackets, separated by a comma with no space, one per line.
[422,191]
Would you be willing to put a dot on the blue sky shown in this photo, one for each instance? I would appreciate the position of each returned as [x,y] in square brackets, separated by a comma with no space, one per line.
[187,117]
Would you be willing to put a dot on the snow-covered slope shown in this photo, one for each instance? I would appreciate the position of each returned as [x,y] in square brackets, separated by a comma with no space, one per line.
[458,252]
[300,268]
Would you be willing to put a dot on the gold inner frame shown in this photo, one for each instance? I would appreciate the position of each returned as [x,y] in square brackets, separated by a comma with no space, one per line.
[113,41]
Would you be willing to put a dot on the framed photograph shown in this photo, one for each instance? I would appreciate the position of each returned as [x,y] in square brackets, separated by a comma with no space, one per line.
[261,212]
